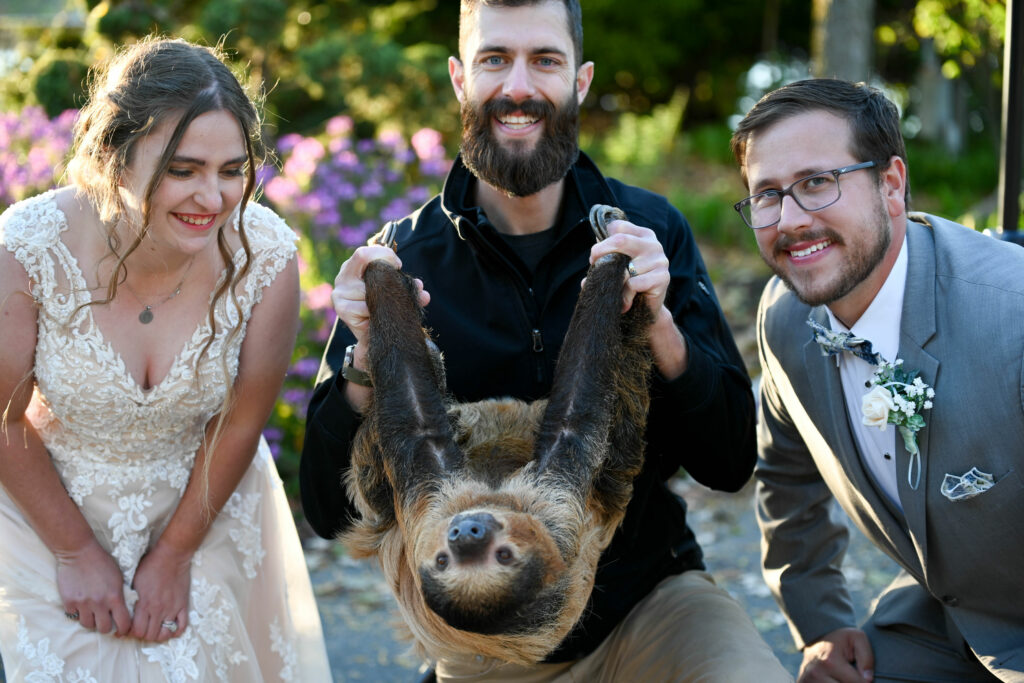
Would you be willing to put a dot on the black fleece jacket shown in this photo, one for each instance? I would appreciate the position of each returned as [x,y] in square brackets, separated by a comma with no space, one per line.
[500,329]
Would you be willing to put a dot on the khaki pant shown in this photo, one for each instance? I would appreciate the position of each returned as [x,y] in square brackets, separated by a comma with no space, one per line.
[687,629]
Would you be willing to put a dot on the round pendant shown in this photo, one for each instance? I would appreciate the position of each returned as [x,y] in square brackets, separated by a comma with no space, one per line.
[146,317]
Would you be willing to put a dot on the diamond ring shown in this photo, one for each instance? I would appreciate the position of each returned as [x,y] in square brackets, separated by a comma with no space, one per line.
[73,616]
[171,626]
[632,270]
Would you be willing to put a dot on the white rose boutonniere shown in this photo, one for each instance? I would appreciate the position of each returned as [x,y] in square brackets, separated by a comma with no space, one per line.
[876,406]
[898,397]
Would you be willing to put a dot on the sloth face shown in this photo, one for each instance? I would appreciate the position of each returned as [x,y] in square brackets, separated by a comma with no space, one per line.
[493,571]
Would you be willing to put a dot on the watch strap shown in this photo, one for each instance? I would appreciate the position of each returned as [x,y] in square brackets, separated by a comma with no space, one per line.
[352,373]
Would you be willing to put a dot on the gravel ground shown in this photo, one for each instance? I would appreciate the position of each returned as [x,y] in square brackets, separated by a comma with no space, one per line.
[358,614]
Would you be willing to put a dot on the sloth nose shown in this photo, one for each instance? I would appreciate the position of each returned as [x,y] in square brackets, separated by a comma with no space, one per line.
[469,536]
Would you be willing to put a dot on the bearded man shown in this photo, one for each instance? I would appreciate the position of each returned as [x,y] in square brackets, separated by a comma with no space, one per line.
[500,254]
[915,326]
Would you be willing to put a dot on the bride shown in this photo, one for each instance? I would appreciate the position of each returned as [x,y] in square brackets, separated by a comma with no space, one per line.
[147,316]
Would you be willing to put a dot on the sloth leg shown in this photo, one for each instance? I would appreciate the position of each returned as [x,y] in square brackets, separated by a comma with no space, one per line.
[592,431]
[407,409]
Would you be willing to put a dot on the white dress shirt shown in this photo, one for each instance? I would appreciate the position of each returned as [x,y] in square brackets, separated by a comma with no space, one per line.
[880,325]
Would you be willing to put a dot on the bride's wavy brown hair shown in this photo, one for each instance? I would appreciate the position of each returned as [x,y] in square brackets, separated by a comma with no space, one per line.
[144,85]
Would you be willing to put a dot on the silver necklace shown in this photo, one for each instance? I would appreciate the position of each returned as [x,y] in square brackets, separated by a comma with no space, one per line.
[146,314]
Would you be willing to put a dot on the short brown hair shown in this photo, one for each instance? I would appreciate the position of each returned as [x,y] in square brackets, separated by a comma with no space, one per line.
[572,10]
[874,120]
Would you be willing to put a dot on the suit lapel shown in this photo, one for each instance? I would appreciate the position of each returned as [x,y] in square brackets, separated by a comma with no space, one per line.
[917,328]
[829,411]
[827,385]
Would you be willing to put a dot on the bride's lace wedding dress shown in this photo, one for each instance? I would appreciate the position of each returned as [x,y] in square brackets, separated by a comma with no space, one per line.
[124,454]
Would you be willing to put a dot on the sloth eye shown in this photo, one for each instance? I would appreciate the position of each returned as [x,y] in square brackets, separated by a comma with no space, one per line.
[442,560]
[503,554]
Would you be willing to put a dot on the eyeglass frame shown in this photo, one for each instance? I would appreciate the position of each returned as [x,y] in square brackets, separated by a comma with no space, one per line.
[788,192]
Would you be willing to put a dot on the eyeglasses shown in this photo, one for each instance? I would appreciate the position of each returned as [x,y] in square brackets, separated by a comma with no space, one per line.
[812,193]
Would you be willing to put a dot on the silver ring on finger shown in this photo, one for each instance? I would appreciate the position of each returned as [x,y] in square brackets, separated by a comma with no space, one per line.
[72,616]
[632,270]
[171,626]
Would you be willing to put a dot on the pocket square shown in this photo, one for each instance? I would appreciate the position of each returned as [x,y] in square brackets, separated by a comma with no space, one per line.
[968,485]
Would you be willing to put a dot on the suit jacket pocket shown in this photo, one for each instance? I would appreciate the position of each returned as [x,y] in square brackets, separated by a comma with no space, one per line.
[975,549]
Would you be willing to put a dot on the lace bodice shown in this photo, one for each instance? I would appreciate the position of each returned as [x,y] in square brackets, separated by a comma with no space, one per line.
[100,427]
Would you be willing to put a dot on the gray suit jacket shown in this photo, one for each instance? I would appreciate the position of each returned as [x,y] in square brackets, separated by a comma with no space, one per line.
[963,330]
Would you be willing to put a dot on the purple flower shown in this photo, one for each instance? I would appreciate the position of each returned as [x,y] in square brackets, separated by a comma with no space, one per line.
[305,367]
[296,398]
[338,126]
[391,140]
[264,173]
[352,236]
[327,217]
[282,191]
[287,142]
[319,297]
[418,194]
[309,149]
[437,168]
[427,143]
[396,209]
[371,188]
[347,160]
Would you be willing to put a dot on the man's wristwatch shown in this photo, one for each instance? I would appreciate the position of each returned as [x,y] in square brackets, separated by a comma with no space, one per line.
[353,374]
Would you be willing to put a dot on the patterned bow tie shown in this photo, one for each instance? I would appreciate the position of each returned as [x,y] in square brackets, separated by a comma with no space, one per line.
[834,343]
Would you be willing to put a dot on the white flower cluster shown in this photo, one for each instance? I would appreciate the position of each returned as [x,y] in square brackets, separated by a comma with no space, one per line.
[916,389]
[898,397]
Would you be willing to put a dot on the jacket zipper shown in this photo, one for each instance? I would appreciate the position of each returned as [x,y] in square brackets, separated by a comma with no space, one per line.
[538,348]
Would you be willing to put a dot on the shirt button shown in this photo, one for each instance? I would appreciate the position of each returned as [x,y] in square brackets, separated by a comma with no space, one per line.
[950,600]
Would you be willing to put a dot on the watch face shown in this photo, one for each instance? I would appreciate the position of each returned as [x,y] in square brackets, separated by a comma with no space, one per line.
[352,373]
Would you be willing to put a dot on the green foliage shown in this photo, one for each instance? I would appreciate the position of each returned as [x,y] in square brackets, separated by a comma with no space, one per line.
[967,38]
[55,81]
[693,169]
[645,139]
[960,187]
[643,53]
[258,21]
[123,21]
[964,31]
[315,58]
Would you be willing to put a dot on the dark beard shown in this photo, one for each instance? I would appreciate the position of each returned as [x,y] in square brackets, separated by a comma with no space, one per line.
[513,171]
[856,271]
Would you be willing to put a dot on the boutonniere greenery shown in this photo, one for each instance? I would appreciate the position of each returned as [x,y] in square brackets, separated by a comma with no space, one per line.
[898,397]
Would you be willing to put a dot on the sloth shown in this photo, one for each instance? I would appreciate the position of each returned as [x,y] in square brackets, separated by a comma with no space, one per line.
[488,518]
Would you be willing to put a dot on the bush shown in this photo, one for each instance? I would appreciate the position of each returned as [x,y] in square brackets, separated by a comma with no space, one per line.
[32,151]
[56,81]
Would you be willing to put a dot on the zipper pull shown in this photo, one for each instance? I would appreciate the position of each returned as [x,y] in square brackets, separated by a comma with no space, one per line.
[538,341]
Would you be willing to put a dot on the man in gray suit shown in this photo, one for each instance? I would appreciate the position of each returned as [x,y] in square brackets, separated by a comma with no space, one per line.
[892,356]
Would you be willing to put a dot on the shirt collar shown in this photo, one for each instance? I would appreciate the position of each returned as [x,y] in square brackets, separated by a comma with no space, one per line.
[880,323]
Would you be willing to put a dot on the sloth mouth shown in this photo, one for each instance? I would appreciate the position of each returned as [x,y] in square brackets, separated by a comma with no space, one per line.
[522,605]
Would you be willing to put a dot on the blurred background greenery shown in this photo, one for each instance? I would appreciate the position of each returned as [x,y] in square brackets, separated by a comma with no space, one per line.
[669,75]
[349,84]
